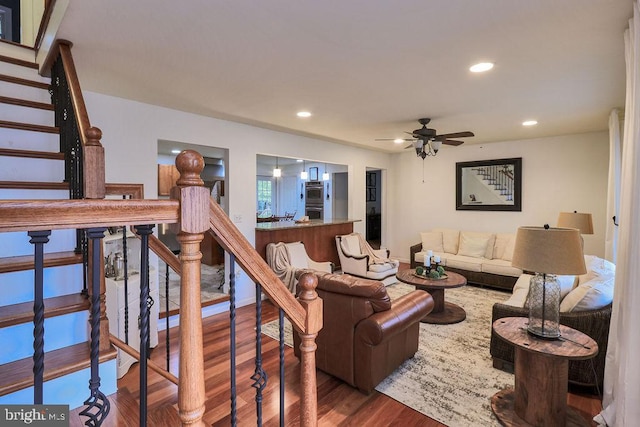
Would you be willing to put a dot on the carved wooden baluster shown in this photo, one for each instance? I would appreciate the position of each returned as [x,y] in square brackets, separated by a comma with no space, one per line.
[313,306]
[194,221]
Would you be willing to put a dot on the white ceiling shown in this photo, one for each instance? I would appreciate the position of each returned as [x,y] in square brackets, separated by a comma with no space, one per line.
[365,69]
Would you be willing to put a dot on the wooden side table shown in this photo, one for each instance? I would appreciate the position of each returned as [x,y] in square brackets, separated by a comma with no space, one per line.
[541,376]
[444,312]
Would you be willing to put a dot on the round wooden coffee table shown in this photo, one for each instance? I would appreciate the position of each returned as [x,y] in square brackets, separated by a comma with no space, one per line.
[443,313]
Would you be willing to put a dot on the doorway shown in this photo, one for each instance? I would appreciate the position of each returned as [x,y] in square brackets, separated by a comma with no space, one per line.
[374,207]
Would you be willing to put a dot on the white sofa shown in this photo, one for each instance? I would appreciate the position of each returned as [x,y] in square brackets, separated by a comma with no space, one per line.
[483,258]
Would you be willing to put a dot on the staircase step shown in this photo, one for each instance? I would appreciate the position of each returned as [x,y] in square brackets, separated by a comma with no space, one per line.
[57,306]
[20,62]
[24,82]
[24,185]
[8,152]
[25,262]
[26,103]
[29,126]
[18,375]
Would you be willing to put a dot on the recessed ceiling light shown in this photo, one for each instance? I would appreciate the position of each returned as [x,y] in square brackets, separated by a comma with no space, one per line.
[176,151]
[398,140]
[529,123]
[481,67]
[303,114]
[299,160]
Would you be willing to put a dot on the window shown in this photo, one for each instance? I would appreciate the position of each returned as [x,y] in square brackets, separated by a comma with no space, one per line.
[265,197]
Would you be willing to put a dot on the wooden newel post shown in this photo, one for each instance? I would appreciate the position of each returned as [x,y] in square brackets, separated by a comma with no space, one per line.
[93,158]
[313,323]
[194,221]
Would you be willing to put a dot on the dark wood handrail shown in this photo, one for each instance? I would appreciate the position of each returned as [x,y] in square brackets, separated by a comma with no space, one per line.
[30,215]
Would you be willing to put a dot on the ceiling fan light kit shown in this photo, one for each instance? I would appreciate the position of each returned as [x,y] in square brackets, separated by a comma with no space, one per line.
[427,142]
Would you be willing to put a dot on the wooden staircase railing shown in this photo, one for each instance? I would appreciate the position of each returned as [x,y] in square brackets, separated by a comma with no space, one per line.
[192,212]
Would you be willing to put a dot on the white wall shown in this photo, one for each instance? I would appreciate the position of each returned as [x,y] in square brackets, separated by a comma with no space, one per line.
[564,173]
[131,131]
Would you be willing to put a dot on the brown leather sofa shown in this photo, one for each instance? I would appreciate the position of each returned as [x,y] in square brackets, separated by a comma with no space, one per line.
[365,336]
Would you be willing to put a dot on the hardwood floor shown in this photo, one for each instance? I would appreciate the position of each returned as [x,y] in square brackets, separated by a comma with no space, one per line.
[338,403]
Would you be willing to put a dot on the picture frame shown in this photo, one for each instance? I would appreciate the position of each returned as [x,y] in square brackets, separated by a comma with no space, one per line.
[489,185]
[313,174]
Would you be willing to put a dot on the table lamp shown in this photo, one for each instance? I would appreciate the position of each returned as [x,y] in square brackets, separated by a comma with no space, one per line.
[575,219]
[547,252]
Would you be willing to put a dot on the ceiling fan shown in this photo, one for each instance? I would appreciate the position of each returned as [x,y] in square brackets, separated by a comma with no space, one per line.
[427,142]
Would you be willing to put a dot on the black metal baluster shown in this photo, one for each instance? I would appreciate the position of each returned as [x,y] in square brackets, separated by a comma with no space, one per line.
[39,239]
[126,283]
[232,331]
[259,376]
[84,248]
[144,231]
[281,325]
[166,318]
[97,404]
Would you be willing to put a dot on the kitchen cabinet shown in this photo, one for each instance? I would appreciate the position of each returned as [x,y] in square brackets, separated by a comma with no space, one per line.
[167,177]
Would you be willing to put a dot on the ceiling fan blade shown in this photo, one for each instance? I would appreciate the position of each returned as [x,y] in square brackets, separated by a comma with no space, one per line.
[454,135]
[452,142]
[408,146]
[415,135]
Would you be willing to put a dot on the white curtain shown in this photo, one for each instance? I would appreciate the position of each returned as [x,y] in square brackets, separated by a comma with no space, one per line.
[613,193]
[621,400]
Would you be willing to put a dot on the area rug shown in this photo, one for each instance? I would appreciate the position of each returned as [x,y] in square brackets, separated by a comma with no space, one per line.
[451,378]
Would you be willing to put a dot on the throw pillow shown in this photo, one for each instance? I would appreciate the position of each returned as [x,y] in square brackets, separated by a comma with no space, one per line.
[520,296]
[520,291]
[449,239]
[352,244]
[597,267]
[591,295]
[474,244]
[432,240]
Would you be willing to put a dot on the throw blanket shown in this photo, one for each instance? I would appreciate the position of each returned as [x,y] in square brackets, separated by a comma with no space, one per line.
[366,249]
[279,261]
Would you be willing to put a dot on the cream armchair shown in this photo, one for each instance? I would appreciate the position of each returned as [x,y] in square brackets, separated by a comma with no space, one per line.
[285,258]
[358,258]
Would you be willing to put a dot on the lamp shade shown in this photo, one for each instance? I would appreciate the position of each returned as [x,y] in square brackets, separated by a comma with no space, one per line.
[581,221]
[549,250]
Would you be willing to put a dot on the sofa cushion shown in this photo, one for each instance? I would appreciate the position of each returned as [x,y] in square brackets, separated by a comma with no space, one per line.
[593,294]
[502,239]
[464,262]
[507,255]
[432,240]
[597,267]
[475,244]
[501,267]
[449,239]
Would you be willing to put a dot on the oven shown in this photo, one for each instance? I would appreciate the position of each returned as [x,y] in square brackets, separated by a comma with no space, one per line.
[314,193]
[314,212]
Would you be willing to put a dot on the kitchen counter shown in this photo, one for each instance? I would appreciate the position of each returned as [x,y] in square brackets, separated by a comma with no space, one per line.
[318,236]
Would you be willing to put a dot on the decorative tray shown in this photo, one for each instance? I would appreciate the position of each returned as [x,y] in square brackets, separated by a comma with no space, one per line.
[422,276]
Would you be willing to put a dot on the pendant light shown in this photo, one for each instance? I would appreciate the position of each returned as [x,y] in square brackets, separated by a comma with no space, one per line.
[304,175]
[325,174]
[277,172]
